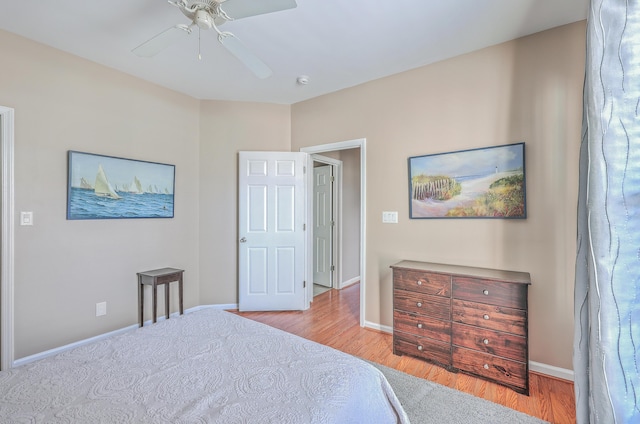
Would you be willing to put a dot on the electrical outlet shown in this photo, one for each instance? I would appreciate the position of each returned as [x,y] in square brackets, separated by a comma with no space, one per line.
[101,309]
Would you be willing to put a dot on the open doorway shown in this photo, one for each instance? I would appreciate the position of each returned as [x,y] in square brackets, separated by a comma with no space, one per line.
[326,221]
[350,238]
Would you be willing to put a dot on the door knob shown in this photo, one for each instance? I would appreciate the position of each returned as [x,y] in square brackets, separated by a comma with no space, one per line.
[243,240]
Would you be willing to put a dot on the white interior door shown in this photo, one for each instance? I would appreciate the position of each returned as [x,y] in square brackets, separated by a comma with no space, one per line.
[322,225]
[272,243]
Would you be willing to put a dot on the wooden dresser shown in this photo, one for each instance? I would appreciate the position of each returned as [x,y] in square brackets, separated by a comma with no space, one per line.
[465,319]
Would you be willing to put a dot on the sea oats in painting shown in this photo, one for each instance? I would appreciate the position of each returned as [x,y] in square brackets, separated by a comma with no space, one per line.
[477,183]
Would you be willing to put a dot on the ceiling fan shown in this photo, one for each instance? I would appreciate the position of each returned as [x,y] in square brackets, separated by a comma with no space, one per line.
[210,14]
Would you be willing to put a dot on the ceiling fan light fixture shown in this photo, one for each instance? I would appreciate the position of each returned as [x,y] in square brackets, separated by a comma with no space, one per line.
[208,14]
[203,19]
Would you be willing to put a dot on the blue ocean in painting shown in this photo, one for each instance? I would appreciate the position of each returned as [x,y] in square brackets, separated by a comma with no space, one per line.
[85,204]
[470,177]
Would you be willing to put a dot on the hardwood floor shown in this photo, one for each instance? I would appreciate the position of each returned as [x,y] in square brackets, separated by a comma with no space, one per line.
[334,320]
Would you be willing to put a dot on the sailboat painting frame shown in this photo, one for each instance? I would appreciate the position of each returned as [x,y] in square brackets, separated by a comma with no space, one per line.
[108,187]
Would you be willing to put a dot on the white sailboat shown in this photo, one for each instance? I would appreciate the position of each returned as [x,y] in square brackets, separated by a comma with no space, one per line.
[153,189]
[102,187]
[135,187]
[84,184]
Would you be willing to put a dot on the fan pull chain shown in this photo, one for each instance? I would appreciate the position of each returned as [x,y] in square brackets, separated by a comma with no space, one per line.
[199,55]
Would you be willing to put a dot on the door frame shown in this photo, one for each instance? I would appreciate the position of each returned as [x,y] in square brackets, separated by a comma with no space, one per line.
[336,205]
[7,243]
[346,145]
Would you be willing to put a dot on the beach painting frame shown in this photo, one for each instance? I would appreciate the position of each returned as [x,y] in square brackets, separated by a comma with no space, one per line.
[108,187]
[487,182]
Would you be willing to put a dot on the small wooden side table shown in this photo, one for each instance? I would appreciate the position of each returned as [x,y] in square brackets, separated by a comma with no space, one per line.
[154,278]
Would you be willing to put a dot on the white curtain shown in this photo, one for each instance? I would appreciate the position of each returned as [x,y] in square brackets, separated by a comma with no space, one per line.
[607,289]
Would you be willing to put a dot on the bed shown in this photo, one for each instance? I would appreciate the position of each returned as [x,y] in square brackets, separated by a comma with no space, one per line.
[208,366]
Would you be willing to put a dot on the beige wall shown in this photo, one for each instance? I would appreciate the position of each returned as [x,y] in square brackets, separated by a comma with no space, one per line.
[227,128]
[63,268]
[527,90]
[350,214]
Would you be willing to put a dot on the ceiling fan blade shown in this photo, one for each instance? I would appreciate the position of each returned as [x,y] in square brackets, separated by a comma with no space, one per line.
[237,9]
[161,41]
[242,53]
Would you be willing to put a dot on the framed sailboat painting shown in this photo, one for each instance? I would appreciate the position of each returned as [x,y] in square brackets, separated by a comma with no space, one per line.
[107,187]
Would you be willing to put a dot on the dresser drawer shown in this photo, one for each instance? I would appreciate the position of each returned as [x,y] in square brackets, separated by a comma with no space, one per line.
[422,326]
[423,282]
[497,318]
[496,343]
[510,295]
[422,347]
[504,371]
[424,304]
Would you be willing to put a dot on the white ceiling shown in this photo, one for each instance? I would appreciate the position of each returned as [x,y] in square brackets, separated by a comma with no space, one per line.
[337,43]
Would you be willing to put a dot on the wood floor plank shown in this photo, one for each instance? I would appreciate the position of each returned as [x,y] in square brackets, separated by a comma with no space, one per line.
[562,401]
[465,383]
[538,390]
[334,320]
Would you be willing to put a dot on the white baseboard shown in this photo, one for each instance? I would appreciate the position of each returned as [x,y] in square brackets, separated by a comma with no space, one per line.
[538,367]
[376,326]
[557,372]
[223,307]
[350,282]
[55,351]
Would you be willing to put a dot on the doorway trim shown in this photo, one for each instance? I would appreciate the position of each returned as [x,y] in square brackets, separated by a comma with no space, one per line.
[345,145]
[336,204]
[7,243]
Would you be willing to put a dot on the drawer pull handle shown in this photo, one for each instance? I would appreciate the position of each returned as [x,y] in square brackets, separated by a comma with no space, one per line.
[419,325]
[485,292]
[419,304]
[486,366]
[420,348]
[485,341]
[485,316]
[419,282]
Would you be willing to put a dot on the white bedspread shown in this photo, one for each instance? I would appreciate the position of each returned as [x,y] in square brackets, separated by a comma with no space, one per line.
[208,366]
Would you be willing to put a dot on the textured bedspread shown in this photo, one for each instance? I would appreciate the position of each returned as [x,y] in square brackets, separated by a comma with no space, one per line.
[208,366]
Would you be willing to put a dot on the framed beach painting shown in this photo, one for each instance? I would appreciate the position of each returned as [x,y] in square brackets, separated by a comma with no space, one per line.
[106,187]
[477,183]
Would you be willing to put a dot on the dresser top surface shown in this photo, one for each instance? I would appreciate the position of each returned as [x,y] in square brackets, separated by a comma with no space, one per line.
[466,271]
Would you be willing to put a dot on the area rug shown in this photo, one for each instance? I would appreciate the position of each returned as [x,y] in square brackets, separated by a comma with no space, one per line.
[427,402]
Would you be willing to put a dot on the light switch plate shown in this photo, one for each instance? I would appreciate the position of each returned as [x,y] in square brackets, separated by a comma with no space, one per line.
[26,218]
[390,217]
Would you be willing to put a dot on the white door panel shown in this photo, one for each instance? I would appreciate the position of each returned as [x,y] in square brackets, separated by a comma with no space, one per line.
[322,228]
[271,256]
[256,267]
